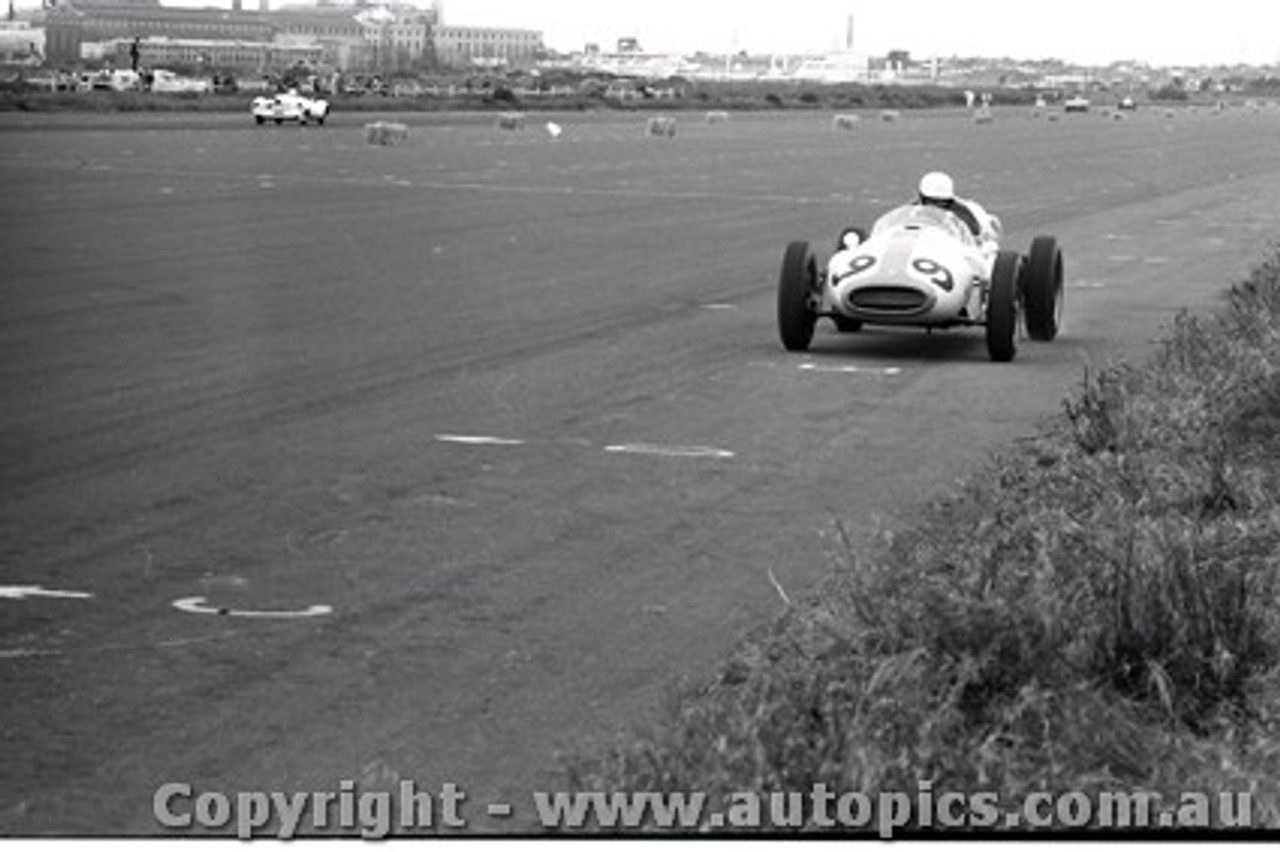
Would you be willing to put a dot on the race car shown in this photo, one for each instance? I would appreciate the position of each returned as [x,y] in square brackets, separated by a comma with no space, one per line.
[922,266]
[289,106]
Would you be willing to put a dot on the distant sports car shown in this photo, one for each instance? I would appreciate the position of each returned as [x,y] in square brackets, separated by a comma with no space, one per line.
[921,266]
[289,106]
[1079,103]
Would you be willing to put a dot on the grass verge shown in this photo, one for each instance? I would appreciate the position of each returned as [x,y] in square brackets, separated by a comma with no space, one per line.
[1095,611]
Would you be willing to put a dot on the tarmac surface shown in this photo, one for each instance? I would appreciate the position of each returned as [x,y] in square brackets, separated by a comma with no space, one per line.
[326,462]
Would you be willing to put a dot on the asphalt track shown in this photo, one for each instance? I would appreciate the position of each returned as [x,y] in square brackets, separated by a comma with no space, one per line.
[509,409]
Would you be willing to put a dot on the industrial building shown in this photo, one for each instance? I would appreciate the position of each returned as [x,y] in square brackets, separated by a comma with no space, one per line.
[359,36]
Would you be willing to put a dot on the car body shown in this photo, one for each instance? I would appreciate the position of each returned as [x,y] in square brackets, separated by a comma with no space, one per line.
[289,106]
[921,266]
[165,81]
[1077,103]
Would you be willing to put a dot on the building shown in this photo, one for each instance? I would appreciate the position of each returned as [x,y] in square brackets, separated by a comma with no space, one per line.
[349,35]
[70,25]
[21,43]
[261,57]
[487,46]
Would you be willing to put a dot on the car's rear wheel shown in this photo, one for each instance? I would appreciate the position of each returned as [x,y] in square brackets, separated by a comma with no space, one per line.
[1002,307]
[1042,291]
[797,285]
[260,119]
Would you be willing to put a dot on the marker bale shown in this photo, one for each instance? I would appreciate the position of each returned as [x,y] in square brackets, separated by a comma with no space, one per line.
[716,116]
[890,115]
[385,133]
[661,126]
[983,115]
[844,122]
[510,121]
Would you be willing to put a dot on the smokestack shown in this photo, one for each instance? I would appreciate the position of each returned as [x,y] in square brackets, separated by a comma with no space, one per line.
[848,33]
[237,5]
[264,5]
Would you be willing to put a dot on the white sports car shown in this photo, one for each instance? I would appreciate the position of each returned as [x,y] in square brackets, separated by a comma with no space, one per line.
[921,266]
[289,106]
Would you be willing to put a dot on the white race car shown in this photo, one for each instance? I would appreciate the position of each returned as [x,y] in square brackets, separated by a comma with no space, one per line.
[289,106]
[921,266]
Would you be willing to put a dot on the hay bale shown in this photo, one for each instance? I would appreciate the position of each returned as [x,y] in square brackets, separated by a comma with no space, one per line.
[890,115]
[716,116]
[385,133]
[844,122]
[661,125]
[983,115]
[510,121]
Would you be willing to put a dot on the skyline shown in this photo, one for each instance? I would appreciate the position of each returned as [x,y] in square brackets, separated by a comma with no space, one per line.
[1091,32]
[1087,31]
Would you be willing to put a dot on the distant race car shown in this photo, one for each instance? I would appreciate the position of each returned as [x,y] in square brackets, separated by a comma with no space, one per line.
[921,266]
[289,106]
[1079,103]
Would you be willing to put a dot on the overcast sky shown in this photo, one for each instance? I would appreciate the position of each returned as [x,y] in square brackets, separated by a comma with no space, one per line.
[1094,31]
[1085,30]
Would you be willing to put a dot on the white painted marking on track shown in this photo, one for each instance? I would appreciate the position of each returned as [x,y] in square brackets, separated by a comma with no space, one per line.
[718,306]
[25,653]
[480,440]
[670,451]
[849,368]
[1088,285]
[17,593]
[197,606]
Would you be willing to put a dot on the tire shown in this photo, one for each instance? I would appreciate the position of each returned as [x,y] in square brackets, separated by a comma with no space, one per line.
[797,283]
[260,119]
[847,325]
[279,121]
[1042,291]
[1002,307]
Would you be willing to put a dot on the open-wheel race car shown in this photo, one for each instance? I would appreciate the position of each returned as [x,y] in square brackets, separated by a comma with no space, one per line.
[922,266]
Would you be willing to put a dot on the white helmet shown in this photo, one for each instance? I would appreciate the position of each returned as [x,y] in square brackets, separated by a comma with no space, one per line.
[937,186]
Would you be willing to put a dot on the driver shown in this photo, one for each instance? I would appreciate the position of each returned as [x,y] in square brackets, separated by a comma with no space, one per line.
[937,189]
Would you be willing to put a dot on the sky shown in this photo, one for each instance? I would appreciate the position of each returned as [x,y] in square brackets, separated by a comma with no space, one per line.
[1175,32]
[1093,31]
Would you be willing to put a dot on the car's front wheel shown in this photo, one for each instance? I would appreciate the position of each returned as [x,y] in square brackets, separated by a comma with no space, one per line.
[1002,307]
[797,285]
[1042,291]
